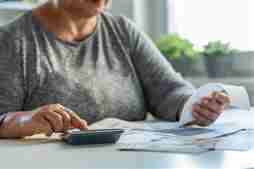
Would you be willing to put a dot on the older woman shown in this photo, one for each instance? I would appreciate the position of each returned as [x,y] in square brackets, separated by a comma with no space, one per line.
[70,53]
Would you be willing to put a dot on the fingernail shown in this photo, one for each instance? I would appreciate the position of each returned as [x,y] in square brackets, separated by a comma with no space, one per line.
[67,110]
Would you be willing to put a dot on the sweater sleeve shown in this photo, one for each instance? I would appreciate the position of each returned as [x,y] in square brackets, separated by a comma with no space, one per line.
[11,78]
[165,90]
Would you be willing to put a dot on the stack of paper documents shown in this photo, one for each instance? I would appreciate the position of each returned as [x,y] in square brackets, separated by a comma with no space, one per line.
[181,140]
[171,137]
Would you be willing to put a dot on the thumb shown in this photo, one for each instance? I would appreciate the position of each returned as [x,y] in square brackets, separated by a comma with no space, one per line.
[43,126]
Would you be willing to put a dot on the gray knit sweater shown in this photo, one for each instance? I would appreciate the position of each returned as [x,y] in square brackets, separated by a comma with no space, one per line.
[116,72]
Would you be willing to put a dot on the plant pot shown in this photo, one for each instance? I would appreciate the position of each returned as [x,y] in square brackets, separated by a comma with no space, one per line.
[219,66]
[243,64]
[188,67]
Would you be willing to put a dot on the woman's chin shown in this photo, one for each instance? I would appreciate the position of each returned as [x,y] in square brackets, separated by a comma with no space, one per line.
[94,12]
[86,12]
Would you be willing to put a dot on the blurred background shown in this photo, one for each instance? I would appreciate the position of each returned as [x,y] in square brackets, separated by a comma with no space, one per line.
[204,40]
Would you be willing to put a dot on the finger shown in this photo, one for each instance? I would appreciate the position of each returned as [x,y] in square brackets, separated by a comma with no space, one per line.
[221,98]
[200,120]
[209,114]
[85,125]
[205,113]
[66,119]
[79,123]
[76,121]
[55,120]
[65,115]
[206,98]
[58,108]
[43,126]
[212,106]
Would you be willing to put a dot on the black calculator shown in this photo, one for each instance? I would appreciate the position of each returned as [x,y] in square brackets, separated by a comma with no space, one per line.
[89,137]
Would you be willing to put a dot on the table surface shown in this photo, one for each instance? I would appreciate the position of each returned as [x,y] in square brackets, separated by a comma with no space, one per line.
[55,154]
[59,155]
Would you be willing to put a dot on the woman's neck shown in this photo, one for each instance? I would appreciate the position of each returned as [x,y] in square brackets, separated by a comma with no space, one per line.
[67,26]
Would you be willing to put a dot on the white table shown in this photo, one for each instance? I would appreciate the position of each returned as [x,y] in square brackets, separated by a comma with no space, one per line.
[16,154]
[59,155]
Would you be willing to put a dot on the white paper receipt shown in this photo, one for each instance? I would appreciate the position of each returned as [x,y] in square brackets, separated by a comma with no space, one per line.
[238,96]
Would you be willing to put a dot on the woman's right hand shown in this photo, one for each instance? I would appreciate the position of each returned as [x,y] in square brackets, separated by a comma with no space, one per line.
[46,119]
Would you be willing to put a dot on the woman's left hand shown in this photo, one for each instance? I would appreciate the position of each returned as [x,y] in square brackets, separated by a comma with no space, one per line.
[210,108]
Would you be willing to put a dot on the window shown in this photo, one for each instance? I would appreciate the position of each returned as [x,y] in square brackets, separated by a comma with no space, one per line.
[206,20]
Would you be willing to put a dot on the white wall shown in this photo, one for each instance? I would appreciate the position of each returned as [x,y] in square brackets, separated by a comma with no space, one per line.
[146,13]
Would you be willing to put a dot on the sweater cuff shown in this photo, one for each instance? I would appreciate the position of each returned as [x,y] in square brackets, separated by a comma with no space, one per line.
[184,99]
[2,118]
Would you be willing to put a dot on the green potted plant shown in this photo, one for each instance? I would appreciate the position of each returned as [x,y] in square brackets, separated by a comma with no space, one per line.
[181,54]
[219,58]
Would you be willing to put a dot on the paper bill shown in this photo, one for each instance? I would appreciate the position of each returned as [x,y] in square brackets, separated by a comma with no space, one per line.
[238,96]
